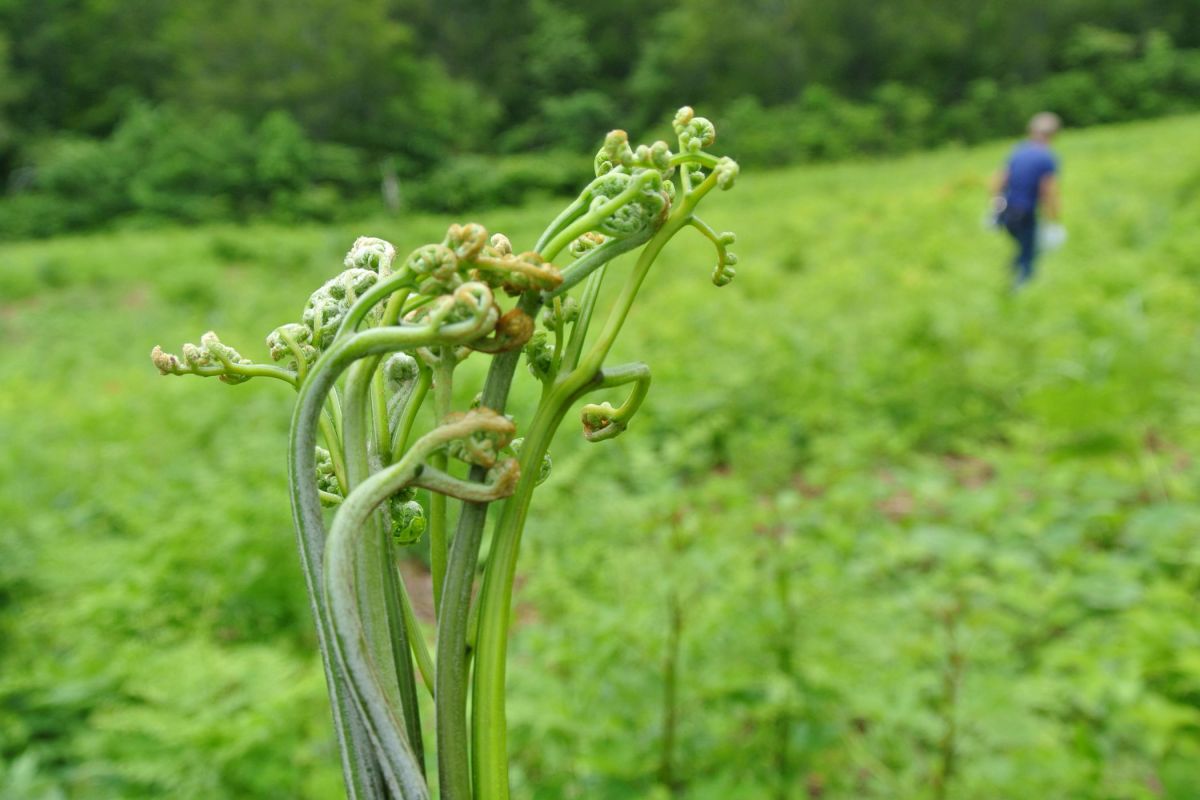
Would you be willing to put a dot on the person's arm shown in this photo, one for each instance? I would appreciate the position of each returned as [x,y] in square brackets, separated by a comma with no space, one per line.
[1048,197]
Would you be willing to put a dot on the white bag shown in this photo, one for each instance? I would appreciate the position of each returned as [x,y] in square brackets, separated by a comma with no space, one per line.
[1051,236]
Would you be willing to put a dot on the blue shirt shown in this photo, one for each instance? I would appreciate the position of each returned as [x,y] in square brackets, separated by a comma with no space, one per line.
[1029,163]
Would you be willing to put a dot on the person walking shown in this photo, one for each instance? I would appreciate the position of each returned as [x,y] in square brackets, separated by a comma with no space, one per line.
[1027,185]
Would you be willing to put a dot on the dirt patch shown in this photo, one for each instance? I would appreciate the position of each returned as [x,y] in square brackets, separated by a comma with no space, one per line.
[419,583]
[969,472]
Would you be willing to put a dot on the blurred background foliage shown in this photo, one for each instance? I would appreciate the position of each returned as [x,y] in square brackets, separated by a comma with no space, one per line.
[211,110]
[882,530]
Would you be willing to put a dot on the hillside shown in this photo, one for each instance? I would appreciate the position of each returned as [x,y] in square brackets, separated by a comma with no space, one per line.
[913,535]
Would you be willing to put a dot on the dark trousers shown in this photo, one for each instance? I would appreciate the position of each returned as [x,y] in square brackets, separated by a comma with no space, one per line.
[1021,224]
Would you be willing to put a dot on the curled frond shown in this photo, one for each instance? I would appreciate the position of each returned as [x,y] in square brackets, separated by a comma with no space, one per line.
[500,243]
[513,330]
[682,117]
[214,359]
[295,340]
[502,478]
[615,152]
[492,432]
[400,375]
[641,177]
[695,133]
[467,241]
[586,243]
[400,372]
[727,171]
[371,254]
[408,520]
[543,469]
[516,273]
[600,422]
[436,269]
[328,305]
[213,348]
[327,480]
[561,312]
[471,300]
[658,156]
[724,271]
[166,363]
[539,355]
[647,207]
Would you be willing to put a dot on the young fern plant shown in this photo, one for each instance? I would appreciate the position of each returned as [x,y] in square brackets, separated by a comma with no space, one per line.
[381,341]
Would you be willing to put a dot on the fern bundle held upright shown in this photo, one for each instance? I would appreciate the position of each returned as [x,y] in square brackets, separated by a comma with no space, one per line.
[379,342]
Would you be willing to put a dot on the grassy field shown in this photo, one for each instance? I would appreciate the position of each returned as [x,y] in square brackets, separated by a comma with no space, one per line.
[882,530]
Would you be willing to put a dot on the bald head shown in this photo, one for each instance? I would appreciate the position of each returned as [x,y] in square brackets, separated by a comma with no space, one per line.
[1044,125]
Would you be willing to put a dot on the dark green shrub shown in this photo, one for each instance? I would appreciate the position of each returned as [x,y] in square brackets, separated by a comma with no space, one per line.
[477,181]
[907,115]
[163,164]
[757,135]
[569,122]
[1078,97]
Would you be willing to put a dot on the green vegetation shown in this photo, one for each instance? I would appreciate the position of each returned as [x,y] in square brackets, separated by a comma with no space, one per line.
[359,395]
[211,110]
[883,529]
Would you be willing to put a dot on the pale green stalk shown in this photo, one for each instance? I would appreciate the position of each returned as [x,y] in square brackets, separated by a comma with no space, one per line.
[404,430]
[454,770]
[343,578]
[358,761]
[489,726]
[443,396]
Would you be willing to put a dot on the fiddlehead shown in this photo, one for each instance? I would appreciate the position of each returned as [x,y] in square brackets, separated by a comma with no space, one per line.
[477,312]
[212,358]
[401,375]
[602,422]
[727,171]
[431,310]
[436,269]
[544,469]
[724,271]
[560,313]
[481,447]
[408,520]
[539,356]
[328,483]
[325,309]
[294,340]
[695,133]
[646,207]
[513,330]
[516,273]
[372,254]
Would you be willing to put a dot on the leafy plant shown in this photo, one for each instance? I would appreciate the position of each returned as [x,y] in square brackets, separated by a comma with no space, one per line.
[354,446]
[887,450]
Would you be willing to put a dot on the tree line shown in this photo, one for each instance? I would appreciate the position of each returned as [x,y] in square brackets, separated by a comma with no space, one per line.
[213,109]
